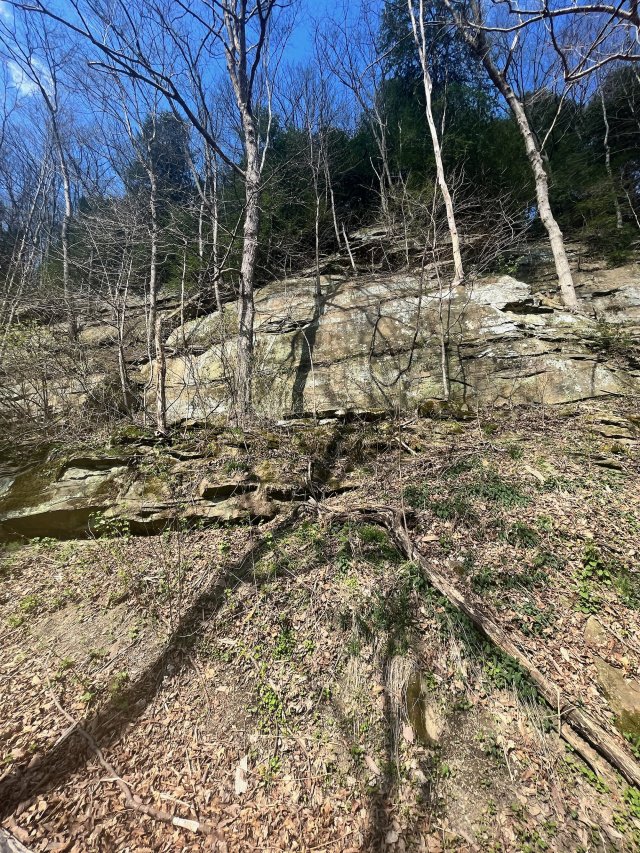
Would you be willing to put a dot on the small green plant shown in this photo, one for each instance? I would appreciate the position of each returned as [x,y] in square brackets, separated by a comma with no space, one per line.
[87,697]
[376,543]
[595,567]
[461,466]
[534,621]
[353,646]
[269,708]
[503,672]
[443,771]
[587,773]
[64,666]
[492,487]
[29,604]
[547,559]
[371,534]
[461,704]
[633,739]
[468,563]
[515,451]
[490,746]
[44,542]
[595,571]
[528,579]
[632,799]
[522,535]
[235,466]
[588,601]
[417,497]
[559,484]
[446,543]
[628,586]
[103,527]
[285,642]
[98,654]
[270,769]
[484,579]
[117,688]
[454,508]
[531,841]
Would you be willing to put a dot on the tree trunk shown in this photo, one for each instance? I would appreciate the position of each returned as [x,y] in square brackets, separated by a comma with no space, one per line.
[153,267]
[215,224]
[64,237]
[479,45]
[120,312]
[420,40]
[607,160]
[161,375]
[556,240]
[246,310]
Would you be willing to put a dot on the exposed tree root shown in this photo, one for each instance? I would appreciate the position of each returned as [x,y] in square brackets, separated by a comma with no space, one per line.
[585,727]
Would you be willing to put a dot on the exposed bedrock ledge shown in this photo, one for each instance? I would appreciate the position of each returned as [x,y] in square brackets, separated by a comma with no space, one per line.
[374,343]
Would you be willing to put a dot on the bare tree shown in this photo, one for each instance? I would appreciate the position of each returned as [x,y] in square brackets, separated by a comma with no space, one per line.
[476,37]
[34,51]
[607,160]
[127,40]
[419,36]
[586,36]
[350,46]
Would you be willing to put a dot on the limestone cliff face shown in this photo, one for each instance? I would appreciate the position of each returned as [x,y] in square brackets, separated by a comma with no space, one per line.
[374,342]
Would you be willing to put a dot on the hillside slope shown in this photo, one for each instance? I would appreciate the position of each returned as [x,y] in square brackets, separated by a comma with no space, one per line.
[296,684]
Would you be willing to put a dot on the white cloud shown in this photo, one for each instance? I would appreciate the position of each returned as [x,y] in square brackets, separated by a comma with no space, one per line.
[5,12]
[23,83]
[19,79]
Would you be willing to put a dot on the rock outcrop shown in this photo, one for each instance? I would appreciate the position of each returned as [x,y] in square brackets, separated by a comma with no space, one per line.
[375,343]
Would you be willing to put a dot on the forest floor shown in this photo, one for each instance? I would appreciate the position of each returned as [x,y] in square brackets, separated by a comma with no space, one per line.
[298,685]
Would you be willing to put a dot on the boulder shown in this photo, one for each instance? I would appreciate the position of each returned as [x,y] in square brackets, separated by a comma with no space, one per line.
[622,692]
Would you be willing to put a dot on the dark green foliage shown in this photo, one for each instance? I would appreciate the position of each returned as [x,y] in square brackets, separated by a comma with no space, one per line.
[505,673]
[533,620]
[548,559]
[391,612]
[468,463]
[492,487]
[523,535]
[487,578]
[598,572]
[417,497]
[163,147]
[454,508]
[633,739]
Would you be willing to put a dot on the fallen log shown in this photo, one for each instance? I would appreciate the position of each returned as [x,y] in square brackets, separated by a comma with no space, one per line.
[583,724]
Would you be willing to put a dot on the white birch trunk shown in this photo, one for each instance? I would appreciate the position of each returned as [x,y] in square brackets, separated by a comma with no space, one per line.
[246,309]
[420,40]
[607,160]
[478,43]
